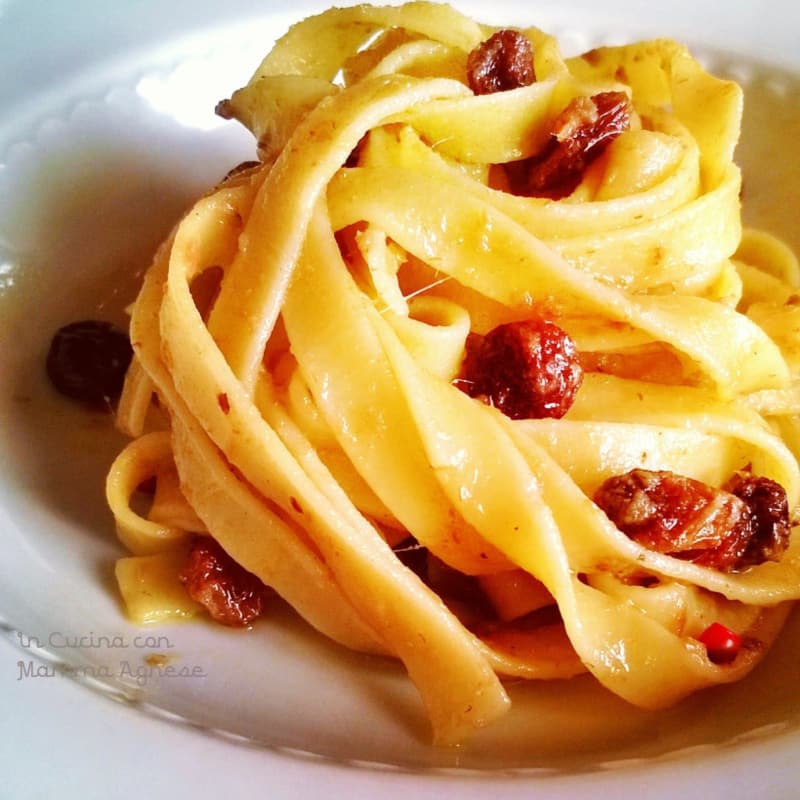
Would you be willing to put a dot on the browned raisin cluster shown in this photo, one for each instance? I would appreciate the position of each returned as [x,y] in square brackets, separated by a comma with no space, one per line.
[728,529]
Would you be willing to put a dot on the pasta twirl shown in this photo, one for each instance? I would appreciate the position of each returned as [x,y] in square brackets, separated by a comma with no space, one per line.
[301,388]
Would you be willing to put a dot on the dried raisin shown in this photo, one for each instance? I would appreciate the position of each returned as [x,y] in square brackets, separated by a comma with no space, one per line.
[528,369]
[579,135]
[769,508]
[688,519]
[87,361]
[504,61]
[231,595]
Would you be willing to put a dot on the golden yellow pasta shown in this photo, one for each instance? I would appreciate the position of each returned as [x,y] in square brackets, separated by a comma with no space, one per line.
[314,341]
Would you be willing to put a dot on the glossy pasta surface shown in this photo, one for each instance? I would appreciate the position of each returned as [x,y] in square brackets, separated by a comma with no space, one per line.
[301,340]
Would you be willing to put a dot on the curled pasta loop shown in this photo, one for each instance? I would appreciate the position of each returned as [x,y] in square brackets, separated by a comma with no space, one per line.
[306,326]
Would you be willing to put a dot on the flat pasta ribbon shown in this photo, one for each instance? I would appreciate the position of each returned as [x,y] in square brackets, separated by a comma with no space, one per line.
[301,338]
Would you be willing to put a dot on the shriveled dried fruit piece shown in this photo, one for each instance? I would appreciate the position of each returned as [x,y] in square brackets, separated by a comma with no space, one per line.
[87,361]
[231,595]
[504,61]
[769,510]
[678,516]
[527,369]
[579,135]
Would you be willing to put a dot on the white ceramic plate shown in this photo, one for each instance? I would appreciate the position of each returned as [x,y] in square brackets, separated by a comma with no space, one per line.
[107,133]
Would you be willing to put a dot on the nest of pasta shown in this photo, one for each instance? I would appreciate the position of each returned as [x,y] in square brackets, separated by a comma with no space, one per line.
[475,367]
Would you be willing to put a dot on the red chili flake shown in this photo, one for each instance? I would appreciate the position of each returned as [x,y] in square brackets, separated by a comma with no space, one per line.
[722,644]
[224,403]
[231,595]
[296,505]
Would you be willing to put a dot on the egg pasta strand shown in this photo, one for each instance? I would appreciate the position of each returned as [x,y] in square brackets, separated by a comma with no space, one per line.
[302,390]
